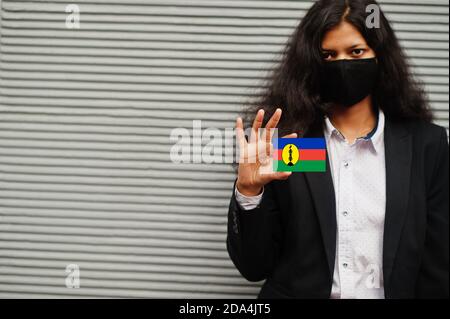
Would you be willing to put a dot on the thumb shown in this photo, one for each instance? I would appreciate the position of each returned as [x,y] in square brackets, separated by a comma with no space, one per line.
[278,176]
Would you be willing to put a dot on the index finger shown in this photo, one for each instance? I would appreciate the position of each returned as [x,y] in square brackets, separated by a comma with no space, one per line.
[275,119]
[272,123]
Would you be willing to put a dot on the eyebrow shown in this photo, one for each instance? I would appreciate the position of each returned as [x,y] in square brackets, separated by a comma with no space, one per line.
[352,47]
[357,45]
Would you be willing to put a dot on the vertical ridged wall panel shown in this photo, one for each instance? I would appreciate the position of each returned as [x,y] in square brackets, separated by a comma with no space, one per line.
[85,119]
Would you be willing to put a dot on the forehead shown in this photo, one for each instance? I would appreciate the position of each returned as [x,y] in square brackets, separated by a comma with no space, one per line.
[343,36]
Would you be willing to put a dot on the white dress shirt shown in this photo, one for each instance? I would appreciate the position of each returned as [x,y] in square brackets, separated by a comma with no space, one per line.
[359,177]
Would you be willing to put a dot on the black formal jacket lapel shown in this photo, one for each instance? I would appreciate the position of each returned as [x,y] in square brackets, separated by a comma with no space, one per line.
[398,154]
[398,151]
[322,190]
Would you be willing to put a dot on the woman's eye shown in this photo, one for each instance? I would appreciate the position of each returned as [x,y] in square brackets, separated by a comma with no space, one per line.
[327,55]
[358,52]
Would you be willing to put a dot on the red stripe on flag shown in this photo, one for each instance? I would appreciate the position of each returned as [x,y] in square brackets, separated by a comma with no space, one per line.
[277,155]
[313,155]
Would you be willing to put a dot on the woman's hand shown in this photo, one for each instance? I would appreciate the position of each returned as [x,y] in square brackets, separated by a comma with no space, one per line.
[256,154]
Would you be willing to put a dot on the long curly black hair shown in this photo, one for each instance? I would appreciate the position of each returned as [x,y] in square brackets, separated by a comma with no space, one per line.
[294,87]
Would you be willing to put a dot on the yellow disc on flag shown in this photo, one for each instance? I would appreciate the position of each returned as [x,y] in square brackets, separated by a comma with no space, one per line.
[290,155]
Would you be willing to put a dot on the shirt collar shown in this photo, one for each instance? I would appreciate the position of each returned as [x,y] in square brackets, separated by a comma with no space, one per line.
[375,136]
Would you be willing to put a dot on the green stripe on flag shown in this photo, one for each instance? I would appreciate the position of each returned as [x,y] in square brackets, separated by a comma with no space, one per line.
[301,166]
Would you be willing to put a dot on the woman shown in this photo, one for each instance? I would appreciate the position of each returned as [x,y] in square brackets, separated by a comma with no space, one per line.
[375,224]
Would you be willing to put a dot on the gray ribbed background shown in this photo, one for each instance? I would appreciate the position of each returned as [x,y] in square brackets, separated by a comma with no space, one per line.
[85,118]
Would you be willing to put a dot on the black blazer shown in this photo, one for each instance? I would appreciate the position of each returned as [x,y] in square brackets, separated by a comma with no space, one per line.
[290,238]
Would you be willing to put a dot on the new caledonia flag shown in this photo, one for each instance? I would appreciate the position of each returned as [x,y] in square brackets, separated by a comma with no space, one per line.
[299,155]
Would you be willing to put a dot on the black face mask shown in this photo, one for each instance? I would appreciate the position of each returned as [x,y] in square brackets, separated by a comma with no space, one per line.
[347,82]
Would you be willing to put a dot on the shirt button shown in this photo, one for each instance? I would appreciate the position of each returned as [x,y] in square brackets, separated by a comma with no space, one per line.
[346,164]
[345,265]
[345,214]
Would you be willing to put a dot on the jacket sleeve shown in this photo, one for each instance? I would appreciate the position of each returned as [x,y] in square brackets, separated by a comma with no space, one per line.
[253,236]
[433,280]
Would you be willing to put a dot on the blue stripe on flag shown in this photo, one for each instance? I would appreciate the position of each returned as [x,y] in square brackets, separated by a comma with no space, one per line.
[301,143]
